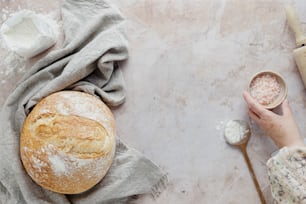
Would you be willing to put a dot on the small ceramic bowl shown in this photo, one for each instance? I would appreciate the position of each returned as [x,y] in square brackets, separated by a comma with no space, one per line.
[268,88]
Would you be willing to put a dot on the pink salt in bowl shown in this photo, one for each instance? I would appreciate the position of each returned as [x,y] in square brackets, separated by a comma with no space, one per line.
[268,88]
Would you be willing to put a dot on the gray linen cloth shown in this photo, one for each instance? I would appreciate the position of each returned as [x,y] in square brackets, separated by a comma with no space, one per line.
[94,44]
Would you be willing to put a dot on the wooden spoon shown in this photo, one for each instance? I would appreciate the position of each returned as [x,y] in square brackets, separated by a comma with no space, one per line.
[237,133]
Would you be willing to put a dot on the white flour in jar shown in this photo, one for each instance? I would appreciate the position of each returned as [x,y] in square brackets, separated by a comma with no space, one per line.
[27,33]
[12,64]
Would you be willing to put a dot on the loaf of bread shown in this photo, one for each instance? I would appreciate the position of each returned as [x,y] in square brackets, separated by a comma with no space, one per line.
[67,143]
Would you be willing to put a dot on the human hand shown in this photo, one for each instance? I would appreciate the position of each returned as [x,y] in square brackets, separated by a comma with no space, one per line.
[282,129]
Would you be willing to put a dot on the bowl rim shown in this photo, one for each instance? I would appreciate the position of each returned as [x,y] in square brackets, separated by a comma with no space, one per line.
[279,100]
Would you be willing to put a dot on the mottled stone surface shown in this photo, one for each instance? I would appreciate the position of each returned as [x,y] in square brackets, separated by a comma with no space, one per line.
[189,63]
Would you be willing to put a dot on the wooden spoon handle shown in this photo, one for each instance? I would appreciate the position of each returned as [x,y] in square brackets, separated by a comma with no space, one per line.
[246,157]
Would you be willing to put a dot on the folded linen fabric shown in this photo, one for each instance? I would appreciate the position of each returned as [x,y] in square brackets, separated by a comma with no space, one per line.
[88,61]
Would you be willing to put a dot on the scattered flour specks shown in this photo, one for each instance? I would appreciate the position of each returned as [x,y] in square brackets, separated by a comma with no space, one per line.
[65,164]
[220,125]
[37,163]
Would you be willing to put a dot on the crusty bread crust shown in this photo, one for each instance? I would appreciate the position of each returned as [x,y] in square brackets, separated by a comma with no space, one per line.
[67,143]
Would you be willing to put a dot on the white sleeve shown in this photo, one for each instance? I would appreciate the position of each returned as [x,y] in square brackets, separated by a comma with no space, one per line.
[287,175]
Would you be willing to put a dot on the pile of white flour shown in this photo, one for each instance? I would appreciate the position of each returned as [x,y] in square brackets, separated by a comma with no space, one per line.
[13,64]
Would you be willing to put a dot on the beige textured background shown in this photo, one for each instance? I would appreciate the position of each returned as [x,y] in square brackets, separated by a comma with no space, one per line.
[189,63]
